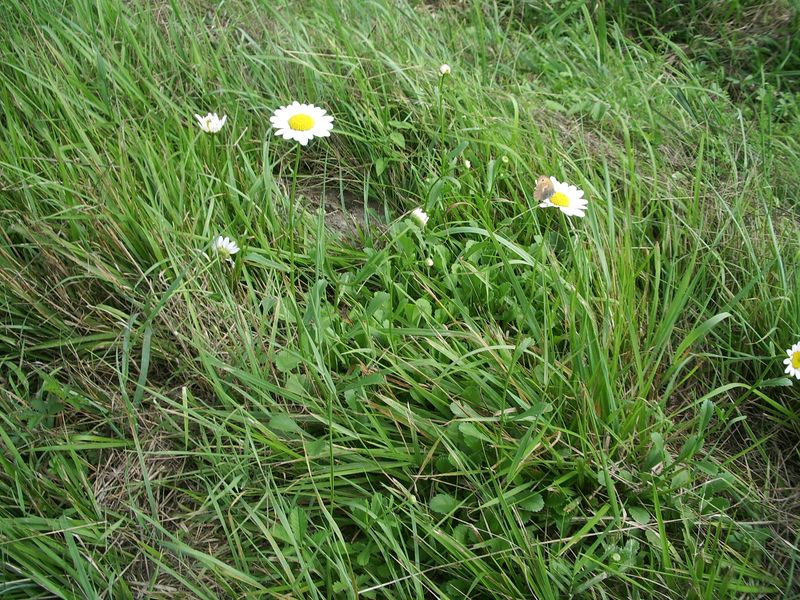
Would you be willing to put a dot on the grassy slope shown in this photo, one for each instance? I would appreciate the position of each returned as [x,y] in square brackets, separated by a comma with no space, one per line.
[556,408]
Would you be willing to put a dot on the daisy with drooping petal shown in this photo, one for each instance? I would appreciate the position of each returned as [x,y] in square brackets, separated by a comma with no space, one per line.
[225,247]
[420,216]
[793,361]
[301,122]
[444,70]
[567,198]
[211,123]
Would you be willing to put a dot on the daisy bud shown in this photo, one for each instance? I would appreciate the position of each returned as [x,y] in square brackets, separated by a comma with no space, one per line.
[211,123]
[420,216]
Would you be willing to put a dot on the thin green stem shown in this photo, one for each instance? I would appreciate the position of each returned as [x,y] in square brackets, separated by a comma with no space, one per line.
[292,201]
[442,153]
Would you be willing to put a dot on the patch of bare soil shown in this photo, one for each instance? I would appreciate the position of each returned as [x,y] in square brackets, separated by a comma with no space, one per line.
[346,214]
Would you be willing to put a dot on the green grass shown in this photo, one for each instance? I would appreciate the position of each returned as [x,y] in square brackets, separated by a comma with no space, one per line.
[585,408]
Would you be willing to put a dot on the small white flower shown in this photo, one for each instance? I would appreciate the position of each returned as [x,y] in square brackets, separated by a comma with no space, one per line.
[467,164]
[504,158]
[793,361]
[211,123]
[420,216]
[429,262]
[301,122]
[225,247]
[444,70]
[568,198]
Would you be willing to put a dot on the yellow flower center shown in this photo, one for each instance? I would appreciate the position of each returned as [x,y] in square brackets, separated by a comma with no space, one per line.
[560,199]
[301,122]
[796,360]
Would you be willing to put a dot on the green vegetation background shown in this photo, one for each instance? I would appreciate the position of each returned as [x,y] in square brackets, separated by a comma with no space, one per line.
[555,409]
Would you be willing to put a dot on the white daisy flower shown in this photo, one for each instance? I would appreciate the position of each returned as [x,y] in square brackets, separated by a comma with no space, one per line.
[211,123]
[428,262]
[225,247]
[793,361]
[568,198]
[420,216]
[444,70]
[301,122]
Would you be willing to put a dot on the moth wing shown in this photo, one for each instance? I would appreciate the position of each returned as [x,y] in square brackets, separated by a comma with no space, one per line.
[544,189]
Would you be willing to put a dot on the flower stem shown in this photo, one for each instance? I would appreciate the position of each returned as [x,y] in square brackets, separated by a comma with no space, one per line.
[441,125]
[292,198]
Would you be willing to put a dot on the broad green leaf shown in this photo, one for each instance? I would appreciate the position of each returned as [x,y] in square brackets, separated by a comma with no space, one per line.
[443,503]
[706,412]
[286,360]
[472,430]
[533,503]
[534,412]
[398,139]
[638,514]
[284,423]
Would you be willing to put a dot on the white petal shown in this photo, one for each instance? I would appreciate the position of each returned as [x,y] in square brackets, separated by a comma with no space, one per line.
[571,211]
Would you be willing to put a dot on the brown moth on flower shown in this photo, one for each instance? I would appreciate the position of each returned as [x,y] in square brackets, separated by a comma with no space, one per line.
[544,189]
[552,193]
